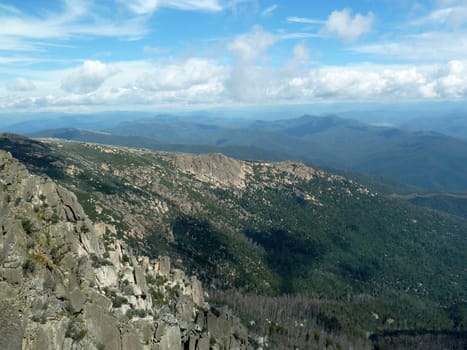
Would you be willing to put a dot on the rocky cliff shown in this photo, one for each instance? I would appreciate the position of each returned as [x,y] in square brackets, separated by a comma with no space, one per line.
[63,286]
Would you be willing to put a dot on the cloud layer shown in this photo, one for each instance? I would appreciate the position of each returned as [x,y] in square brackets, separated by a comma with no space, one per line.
[87,78]
[202,82]
[20,84]
[424,59]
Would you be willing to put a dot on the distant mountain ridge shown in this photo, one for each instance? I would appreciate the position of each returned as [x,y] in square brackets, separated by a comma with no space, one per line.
[423,159]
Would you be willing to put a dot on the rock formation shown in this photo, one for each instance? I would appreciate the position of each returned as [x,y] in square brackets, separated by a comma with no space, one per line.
[63,287]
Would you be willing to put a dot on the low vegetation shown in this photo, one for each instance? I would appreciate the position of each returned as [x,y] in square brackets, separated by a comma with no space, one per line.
[305,256]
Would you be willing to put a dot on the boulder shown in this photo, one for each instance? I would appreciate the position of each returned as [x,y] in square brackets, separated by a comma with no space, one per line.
[102,326]
[171,339]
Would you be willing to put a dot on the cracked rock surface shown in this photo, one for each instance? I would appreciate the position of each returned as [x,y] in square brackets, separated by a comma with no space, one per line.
[63,287]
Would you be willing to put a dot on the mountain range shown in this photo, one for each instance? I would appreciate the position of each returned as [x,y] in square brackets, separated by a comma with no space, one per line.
[267,237]
[424,160]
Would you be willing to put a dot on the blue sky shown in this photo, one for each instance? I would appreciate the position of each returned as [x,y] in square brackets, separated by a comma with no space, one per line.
[84,55]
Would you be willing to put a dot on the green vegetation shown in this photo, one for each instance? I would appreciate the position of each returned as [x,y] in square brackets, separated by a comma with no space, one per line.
[28,226]
[98,261]
[426,160]
[346,261]
[131,313]
[75,330]
[28,267]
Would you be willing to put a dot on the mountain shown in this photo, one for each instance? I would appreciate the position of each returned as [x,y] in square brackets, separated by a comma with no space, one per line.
[454,124]
[24,123]
[64,284]
[424,160]
[191,133]
[241,152]
[344,260]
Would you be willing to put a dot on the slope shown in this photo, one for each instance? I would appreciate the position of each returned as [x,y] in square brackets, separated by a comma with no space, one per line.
[63,286]
[273,228]
[426,160]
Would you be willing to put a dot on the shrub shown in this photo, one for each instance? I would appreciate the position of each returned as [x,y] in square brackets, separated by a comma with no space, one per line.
[28,267]
[118,301]
[27,226]
[126,258]
[136,313]
[55,218]
[75,331]
[97,261]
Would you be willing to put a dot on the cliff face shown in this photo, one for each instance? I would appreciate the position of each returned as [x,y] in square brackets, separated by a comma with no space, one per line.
[62,286]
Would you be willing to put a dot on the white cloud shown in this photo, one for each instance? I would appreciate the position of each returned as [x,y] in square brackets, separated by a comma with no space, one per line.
[304,20]
[452,80]
[247,82]
[381,83]
[154,50]
[269,10]
[87,78]
[20,84]
[452,17]
[9,9]
[193,73]
[197,81]
[195,5]
[429,46]
[31,32]
[251,46]
[301,53]
[347,27]
[142,7]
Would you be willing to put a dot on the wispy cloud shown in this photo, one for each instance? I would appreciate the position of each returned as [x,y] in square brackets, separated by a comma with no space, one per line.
[9,9]
[423,47]
[451,17]
[77,18]
[305,20]
[433,58]
[193,5]
[300,35]
[143,7]
[20,84]
[154,50]
[270,10]
[20,31]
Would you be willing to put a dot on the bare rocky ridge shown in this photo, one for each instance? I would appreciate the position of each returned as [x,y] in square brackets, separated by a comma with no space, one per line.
[215,168]
[63,287]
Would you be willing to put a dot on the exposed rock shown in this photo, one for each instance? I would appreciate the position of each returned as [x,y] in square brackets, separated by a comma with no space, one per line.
[171,339]
[163,266]
[106,276]
[59,291]
[131,341]
[77,300]
[11,322]
[197,292]
[215,168]
[141,279]
[226,328]
[102,326]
